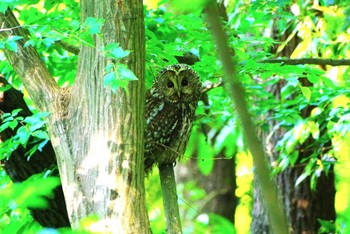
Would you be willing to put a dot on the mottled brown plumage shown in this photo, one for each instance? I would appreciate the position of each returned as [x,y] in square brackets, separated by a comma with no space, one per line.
[170,107]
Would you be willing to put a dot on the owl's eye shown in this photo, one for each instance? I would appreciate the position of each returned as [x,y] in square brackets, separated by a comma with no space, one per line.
[184,82]
[170,84]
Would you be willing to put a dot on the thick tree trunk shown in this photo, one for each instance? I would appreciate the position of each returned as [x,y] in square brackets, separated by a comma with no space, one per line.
[97,134]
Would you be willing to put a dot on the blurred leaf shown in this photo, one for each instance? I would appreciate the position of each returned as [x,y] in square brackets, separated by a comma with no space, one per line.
[5,88]
[183,6]
[11,43]
[93,25]
[125,73]
[114,51]
[306,92]
[206,155]
[32,193]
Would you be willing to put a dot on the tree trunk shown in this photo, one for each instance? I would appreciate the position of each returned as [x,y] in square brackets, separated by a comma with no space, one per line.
[303,206]
[97,134]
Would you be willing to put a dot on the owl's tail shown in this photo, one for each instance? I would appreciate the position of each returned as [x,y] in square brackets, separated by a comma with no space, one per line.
[149,163]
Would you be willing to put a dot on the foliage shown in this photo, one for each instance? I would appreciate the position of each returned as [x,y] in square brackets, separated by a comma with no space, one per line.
[257,30]
[31,133]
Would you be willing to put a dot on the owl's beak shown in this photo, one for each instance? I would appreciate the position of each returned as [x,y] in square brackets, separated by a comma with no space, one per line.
[178,93]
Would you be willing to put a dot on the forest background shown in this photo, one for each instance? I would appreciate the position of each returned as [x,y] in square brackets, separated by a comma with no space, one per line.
[292,63]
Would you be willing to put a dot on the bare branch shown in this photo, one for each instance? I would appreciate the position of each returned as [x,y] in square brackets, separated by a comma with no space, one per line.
[68,47]
[27,63]
[315,61]
[207,86]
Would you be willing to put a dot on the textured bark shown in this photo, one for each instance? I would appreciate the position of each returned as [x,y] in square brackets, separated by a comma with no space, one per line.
[97,135]
[19,168]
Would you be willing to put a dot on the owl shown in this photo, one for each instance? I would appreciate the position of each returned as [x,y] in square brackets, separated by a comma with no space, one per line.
[171,103]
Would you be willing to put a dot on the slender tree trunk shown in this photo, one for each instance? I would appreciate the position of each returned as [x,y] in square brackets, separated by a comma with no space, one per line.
[97,134]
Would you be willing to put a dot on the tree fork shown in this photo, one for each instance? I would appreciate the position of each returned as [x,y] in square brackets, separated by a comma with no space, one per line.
[97,134]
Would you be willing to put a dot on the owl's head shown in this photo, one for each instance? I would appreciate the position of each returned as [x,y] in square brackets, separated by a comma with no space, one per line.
[177,83]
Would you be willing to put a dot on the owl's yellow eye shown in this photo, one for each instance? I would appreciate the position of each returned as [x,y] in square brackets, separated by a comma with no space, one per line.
[184,82]
[170,84]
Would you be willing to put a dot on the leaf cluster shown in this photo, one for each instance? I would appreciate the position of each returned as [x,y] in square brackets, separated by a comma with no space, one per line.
[30,132]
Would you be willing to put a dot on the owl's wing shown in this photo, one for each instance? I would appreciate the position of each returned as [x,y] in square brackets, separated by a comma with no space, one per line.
[163,124]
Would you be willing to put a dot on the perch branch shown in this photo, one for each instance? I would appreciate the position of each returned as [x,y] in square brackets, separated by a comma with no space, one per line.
[27,63]
[267,187]
[171,207]
[68,47]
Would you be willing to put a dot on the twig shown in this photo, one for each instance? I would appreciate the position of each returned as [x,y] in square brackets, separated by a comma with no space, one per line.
[207,86]
[268,188]
[68,47]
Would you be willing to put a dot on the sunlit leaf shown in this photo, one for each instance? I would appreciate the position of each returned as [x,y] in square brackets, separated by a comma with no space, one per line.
[93,25]
[306,92]
[206,155]
[125,73]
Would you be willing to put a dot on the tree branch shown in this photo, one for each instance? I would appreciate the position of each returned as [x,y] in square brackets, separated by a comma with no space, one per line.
[68,47]
[27,63]
[314,61]
[171,207]
[268,188]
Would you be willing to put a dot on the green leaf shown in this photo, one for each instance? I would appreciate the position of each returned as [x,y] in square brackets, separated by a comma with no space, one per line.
[220,224]
[11,43]
[41,134]
[185,6]
[5,88]
[206,155]
[34,122]
[15,112]
[29,43]
[93,25]
[114,51]
[327,226]
[109,78]
[22,136]
[306,92]
[301,178]
[125,73]
[4,126]
[32,193]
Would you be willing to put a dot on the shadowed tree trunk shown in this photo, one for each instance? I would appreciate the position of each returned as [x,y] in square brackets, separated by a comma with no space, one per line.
[19,168]
[303,206]
[97,134]
[219,185]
